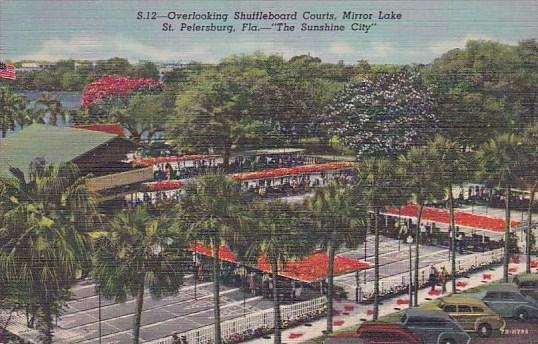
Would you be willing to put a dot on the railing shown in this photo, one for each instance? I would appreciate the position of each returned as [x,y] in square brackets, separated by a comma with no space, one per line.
[204,335]
[396,282]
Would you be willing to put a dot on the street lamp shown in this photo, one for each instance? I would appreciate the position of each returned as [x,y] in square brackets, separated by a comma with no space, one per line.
[409,241]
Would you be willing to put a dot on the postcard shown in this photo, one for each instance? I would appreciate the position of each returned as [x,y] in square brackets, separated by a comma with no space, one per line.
[224,172]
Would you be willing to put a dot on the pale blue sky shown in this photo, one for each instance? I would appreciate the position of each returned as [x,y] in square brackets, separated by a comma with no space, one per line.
[61,29]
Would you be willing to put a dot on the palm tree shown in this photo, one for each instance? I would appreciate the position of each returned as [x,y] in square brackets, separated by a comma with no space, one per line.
[500,164]
[278,232]
[421,179]
[529,178]
[453,168]
[48,109]
[211,211]
[43,240]
[12,110]
[338,222]
[379,187]
[135,252]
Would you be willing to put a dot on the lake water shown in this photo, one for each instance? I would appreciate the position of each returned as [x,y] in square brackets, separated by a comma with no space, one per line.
[69,100]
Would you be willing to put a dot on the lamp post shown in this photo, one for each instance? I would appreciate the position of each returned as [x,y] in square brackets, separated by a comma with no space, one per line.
[99,298]
[409,241]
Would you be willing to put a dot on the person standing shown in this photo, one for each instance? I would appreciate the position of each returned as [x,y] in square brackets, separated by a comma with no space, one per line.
[433,278]
[298,292]
[265,285]
[175,339]
[444,278]
[252,283]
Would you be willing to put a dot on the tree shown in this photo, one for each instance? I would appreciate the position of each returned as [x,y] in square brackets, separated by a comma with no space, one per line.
[12,110]
[485,89]
[48,109]
[113,66]
[220,109]
[138,251]
[420,178]
[45,217]
[211,213]
[470,117]
[530,179]
[453,168]
[72,81]
[146,70]
[378,187]
[500,165]
[384,114]
[337,222]
[145,115]
[277,231]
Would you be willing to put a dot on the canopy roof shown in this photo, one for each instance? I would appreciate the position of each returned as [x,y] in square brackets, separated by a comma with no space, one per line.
[462,219]
[164,185]
[165,159]
[269,151]
[293,171]
[54,144]
[311,269]
[110,128]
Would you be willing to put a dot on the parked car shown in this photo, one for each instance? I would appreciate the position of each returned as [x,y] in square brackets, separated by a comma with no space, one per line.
[472,314]
[386,333]
[508,302]
[434,327]
[527,284]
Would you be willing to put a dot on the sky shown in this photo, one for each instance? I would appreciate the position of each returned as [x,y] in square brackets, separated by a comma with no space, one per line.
[90,29]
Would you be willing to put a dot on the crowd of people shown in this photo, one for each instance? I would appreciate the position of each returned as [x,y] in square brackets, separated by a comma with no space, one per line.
[252,281]
[168,171]
[293,185]
[492,197]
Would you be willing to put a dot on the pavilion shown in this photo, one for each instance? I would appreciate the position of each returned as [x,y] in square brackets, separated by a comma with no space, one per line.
[98,154]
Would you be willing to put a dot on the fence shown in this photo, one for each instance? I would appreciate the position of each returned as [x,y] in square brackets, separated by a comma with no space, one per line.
[254,321]
[401,281]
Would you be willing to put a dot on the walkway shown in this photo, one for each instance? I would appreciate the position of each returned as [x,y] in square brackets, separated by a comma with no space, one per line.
[348,315]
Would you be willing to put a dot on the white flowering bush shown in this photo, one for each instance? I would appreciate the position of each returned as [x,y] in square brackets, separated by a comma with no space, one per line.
[386,114]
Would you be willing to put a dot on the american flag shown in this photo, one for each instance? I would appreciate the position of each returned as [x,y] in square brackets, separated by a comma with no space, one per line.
[7,71]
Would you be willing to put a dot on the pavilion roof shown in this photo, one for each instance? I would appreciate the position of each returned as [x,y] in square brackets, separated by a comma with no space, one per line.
[462,219]
[54,144]
[293,171]
[313,268]
[110,128]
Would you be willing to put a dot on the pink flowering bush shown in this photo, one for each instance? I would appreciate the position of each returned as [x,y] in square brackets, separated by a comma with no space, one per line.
[111,86]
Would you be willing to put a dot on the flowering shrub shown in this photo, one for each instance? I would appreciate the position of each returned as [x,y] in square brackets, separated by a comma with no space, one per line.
[386,114]
[114,86]
[266,330]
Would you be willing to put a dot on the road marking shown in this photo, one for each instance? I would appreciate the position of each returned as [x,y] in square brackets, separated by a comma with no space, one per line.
[173,319]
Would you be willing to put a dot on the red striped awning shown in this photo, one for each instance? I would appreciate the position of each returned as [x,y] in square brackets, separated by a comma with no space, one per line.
[311,269]
[293,171]
[164,185]
[462,219]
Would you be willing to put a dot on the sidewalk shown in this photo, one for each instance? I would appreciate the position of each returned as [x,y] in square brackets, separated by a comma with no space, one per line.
[347,314]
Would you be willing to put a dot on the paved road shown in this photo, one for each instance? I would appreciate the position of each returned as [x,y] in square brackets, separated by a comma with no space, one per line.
[393,259]
[160,318]
[182,313]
